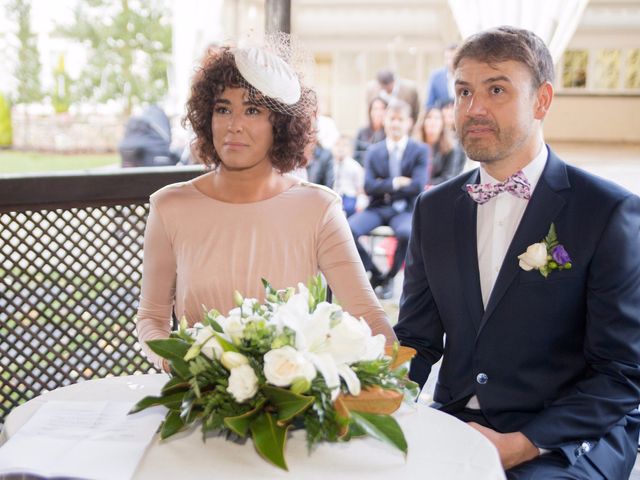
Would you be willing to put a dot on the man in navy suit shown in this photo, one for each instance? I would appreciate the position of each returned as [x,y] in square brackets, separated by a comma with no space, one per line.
[440,86]
[542,348]
[395,173]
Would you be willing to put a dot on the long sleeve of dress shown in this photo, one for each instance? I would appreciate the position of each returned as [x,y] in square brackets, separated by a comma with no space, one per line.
[158,285]
[341,265]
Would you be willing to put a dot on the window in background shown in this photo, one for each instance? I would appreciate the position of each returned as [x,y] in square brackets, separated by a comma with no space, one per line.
[574,71]
[606,69]
[632,77]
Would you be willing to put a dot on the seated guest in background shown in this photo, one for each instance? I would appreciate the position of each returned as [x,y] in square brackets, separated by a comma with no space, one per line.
[530,268]
[349,176]
[395,173]
[319,165]
[247,219]
[447,157]
[372,133]
[388,87]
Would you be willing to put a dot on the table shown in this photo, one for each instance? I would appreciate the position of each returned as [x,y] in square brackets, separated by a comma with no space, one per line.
[440,446]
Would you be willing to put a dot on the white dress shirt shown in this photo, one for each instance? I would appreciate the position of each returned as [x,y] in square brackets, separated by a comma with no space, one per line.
[400,145]
[497,221]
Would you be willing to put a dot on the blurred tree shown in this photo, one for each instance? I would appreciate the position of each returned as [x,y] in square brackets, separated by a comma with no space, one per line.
[129,44]
[6,132]
[61,97]
[27,71]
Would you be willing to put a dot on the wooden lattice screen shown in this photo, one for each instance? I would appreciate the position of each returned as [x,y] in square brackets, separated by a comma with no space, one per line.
[70,269]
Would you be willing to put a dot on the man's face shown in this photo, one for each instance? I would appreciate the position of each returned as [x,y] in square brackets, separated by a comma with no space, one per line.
[496,109]
[397,123]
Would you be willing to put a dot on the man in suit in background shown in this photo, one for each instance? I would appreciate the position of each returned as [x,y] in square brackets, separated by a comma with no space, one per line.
[388,87]
[542,350]
[395,173]
[440,87]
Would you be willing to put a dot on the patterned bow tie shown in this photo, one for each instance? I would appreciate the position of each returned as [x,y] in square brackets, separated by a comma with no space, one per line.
[517,184]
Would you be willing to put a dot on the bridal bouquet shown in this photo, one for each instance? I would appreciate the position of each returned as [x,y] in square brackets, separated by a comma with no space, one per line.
[295,361]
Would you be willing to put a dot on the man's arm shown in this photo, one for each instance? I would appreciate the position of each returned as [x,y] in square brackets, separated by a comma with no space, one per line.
[611,387]
[374,184]
[419,324]
[419,173]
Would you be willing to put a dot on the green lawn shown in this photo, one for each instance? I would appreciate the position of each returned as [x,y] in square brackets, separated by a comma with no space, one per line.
[12,161]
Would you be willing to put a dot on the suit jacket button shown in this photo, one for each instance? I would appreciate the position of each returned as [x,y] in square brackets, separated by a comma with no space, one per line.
[482,378]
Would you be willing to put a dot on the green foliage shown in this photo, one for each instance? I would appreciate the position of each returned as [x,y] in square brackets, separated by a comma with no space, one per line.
[28,68]
[6,131]
[129,46]
[61,96]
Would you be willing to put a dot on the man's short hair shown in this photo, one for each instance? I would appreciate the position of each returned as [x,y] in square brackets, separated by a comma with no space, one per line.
[397,105]
[506,43]
[385,77]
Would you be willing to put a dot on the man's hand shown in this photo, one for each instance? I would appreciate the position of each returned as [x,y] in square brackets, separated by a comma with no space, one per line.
[514,448]
[399,182]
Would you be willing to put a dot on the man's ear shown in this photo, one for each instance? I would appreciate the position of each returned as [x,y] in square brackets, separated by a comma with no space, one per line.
[544,95]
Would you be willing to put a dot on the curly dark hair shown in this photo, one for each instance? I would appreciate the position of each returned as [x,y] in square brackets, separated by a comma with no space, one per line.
[290,133]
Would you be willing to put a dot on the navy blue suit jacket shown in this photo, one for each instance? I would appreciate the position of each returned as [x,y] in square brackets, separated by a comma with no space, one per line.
[438,89]
[561,354]
[378,183]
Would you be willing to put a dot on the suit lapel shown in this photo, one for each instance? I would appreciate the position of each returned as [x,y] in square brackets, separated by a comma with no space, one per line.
[467,252]
[543,208]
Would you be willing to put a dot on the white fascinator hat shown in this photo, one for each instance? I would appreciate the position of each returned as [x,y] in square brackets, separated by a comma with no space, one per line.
[270,79]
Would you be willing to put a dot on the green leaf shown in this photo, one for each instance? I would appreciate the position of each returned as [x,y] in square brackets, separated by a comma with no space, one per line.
[356,431]
[176,384]
[240,423]
[551,240]
[288,404]
[269,439]
[226,346]
[172,424]
[383,427]
[169,348]
[172,402]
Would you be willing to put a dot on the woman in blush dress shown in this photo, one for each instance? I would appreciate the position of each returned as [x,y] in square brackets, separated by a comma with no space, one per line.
[247,218]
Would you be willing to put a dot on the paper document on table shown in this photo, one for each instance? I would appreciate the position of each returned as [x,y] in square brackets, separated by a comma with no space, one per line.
[89,440]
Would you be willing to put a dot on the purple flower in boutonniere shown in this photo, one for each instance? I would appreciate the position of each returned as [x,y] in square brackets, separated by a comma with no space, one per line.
[546,256]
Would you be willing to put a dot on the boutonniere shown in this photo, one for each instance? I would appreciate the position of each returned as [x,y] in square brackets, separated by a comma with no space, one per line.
[546,256]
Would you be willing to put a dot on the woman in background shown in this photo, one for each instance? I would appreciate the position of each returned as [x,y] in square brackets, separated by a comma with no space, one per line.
[372,133]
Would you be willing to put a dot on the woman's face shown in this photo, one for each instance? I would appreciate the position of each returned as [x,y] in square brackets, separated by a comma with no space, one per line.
[378,109]
[433,124]
[242,131]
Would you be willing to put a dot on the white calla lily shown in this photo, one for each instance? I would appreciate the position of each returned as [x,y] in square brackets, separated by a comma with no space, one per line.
[350,378]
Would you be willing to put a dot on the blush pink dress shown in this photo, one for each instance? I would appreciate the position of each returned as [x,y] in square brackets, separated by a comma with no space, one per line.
[198,250]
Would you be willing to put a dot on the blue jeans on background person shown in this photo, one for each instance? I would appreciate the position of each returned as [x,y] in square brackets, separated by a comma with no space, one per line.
[349,205]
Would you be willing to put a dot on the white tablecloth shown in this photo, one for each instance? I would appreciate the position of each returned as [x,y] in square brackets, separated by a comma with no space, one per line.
[440,446]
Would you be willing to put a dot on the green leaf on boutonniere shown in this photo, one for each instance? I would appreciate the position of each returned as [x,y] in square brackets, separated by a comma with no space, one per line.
[269,439]
[289,404]
[551,240]
[240,424]
[172,424]
[383,427]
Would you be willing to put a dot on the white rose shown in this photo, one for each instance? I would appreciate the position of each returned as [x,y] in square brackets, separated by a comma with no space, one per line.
[232,360]
[210,346]
[349,340]
[534,257]
[283,365]
[243,383]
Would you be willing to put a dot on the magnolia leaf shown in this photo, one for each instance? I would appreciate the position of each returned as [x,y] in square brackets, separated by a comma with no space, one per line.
[240,423]
[356,431]
[382,427]
[269,439]
[176,384]
[172,402]
[342,412]
[399,354]
[373,400]
[287,403]
[172,424]
[169,348]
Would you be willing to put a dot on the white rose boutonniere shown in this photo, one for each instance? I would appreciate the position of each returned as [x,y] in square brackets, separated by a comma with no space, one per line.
[534,257]
[546,256]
